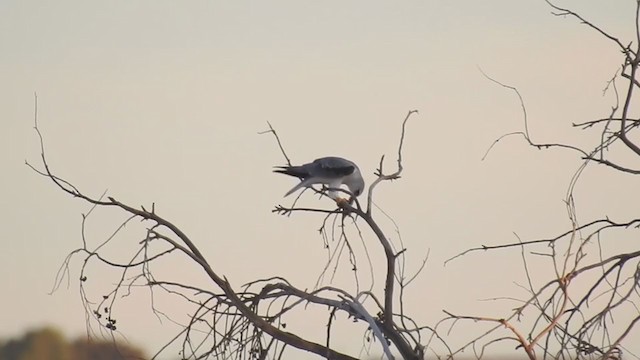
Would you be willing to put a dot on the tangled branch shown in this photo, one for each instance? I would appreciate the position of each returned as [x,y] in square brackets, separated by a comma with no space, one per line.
[570,321]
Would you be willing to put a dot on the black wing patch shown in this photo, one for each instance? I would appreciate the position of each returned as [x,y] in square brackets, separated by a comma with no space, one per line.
[335,168]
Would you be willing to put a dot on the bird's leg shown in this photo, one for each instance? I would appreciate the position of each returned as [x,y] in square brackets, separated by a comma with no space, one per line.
[352,199]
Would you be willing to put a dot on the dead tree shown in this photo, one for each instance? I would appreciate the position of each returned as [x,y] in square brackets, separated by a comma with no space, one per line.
[582,312]
[245,321]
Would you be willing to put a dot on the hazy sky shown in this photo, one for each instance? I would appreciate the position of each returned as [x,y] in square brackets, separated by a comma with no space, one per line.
[161,101]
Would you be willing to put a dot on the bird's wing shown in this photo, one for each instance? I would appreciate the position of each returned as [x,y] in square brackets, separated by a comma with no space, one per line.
[330,167]
[297,171]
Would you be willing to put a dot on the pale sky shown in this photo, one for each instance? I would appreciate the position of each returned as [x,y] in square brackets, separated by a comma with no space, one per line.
[161,101]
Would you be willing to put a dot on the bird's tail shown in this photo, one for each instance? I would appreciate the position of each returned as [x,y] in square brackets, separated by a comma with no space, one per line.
[294,189]
[300,185]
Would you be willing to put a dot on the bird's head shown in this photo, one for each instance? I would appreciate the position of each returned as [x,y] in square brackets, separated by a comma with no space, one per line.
[356,183]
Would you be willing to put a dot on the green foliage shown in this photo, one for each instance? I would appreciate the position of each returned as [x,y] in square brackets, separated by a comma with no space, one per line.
[49,344]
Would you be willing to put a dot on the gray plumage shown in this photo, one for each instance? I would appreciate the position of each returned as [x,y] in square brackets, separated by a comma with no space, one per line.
[331,171]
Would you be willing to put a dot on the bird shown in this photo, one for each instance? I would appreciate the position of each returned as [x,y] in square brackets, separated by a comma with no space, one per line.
[331,171]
